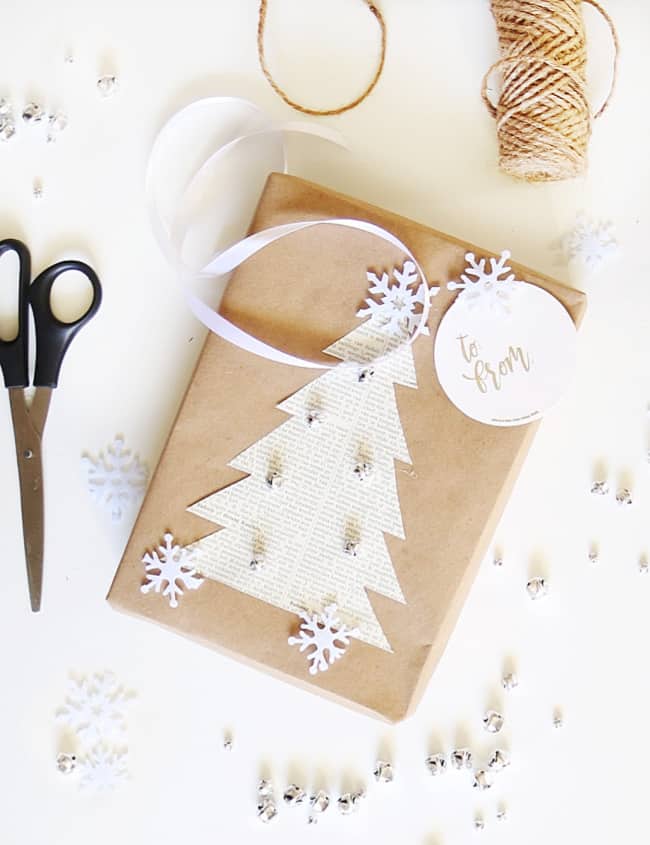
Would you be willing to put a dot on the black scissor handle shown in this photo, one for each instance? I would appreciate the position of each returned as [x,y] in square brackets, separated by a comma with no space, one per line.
[52,335]
[13,353]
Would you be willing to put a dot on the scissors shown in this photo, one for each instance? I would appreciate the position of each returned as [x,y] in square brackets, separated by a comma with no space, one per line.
[52,340]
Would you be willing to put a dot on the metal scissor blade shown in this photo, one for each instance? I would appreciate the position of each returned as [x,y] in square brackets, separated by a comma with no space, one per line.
[28,429]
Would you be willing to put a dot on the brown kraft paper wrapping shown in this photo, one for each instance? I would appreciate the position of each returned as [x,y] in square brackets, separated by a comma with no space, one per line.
[301,294]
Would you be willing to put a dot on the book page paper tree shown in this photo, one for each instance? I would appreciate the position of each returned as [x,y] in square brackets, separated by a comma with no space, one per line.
[305,529]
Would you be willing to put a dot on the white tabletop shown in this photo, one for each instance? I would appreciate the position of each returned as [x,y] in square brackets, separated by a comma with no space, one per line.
[423,146]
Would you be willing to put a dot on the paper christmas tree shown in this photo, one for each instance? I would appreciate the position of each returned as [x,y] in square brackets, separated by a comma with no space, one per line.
[306,527]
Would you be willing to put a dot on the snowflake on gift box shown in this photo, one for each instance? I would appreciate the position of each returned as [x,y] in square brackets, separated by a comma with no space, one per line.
[168,569]
[95,708]
[591,242]
[326,635]
[486,290]
[102,769]
[116,480]
[397,306]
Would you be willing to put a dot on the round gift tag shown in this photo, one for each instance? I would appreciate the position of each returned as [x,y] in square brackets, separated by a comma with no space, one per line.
[506,368]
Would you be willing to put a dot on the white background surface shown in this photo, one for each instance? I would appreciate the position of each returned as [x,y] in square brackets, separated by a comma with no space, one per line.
[423,146]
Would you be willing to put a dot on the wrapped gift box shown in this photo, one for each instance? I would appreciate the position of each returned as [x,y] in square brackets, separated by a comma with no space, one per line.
[301,294]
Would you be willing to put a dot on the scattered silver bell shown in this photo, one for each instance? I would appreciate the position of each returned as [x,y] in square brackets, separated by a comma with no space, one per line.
[536,588]
[319,802]
[510,681]
[7,122]
[33,113]
[492,722]
[624,496]
[498,761]
[56,123]
[461,758]
[436,764]
[349,802]
[266,810]
[294,795]
[107,85]
[66,763]
[482,780]
[384,772]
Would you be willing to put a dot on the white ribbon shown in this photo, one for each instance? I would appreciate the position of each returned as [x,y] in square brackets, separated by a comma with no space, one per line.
[171,234]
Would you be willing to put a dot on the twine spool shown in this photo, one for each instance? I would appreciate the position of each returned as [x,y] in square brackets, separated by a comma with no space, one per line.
[543,115]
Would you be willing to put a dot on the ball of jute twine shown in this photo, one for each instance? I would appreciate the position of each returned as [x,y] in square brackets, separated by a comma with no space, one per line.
[543,115]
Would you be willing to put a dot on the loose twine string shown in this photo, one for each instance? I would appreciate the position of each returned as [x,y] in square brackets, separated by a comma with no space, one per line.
[543,114]
[261,24]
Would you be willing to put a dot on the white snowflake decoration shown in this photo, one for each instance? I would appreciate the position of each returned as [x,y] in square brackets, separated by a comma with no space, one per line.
[399,307]
[486,290]
[170,568]
[116,480]
[102,769]
[326,635]
[591,242]
[95,708]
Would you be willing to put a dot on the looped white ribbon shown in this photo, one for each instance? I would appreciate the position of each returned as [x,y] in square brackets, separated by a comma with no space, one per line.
[171,234]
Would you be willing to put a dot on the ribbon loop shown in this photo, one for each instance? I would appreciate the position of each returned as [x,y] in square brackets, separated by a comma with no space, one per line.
[248,122]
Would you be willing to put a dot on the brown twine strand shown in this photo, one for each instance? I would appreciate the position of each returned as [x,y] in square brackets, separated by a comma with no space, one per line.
[543,114]
[304,109]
